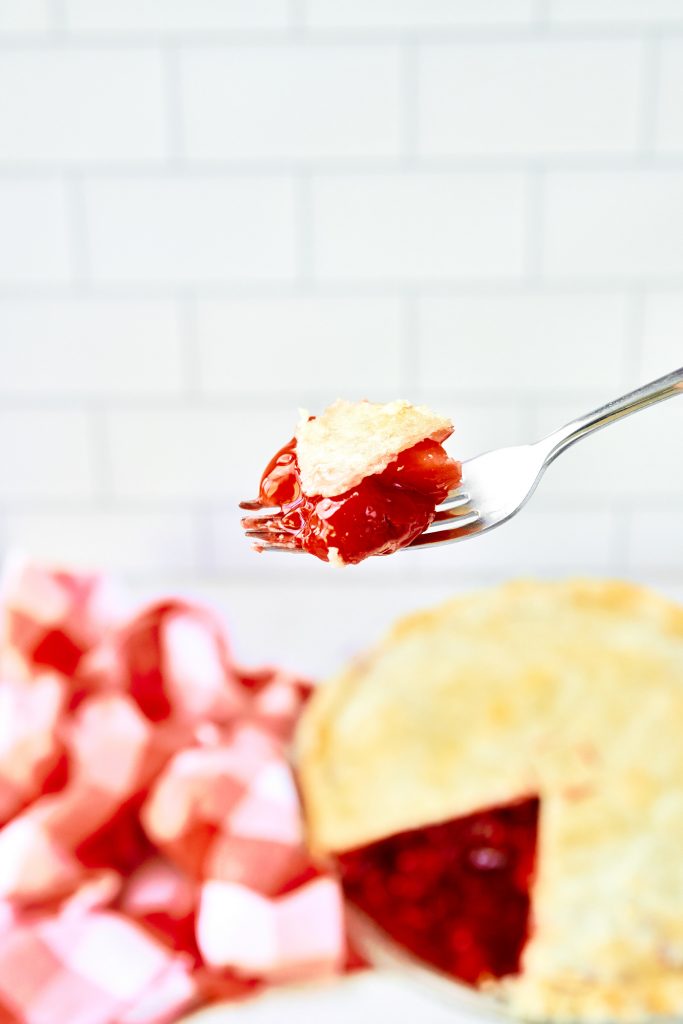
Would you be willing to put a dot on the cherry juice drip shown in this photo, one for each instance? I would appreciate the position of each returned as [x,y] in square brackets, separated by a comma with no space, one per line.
[382,513]
[456,894]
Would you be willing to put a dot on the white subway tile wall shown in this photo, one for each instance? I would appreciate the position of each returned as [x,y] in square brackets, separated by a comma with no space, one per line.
[91,348]
[295,102]
[523,341]
[417,14]
[81,106]
[166,17]
[24,16]
[610,224]
[36,230]
[182,230]
[419,226]
[361,331]
[532,97]
[615,12]
[213,212]
[46,455]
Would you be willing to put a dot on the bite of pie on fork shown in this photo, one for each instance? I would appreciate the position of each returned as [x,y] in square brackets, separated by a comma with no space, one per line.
[367,479]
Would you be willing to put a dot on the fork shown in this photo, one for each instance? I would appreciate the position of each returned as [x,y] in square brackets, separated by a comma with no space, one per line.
[496,485]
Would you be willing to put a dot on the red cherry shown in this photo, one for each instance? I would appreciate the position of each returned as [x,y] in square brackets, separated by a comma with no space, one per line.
[460,904]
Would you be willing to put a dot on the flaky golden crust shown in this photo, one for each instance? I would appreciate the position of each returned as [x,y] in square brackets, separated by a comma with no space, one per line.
[572,691]
[352,440]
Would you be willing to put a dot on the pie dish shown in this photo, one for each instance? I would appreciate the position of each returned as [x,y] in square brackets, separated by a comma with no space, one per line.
[361,479]
[500,786]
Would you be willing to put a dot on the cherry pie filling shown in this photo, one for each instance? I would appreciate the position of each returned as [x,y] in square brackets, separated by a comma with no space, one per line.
[382,513]
[455,894]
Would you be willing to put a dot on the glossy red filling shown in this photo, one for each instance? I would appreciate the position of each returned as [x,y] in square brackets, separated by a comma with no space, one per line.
[383,512]
[456,894]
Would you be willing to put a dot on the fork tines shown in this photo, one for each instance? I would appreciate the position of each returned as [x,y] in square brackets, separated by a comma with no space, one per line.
[454,517]
[455,511]
[264,527]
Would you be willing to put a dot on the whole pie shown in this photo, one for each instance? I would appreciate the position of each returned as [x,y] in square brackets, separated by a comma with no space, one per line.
[500,784]
[361,479]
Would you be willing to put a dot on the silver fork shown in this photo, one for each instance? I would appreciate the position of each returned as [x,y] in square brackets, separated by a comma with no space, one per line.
[497,484]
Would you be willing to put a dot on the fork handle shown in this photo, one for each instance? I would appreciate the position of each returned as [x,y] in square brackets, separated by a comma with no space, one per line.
[634,401]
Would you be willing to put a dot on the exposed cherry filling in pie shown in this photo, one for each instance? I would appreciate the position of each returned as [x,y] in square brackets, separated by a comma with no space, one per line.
[383,512]
[455,894]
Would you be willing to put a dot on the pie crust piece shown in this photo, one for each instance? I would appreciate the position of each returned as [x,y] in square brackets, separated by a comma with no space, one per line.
[572,692]
[353,440]
[399,473]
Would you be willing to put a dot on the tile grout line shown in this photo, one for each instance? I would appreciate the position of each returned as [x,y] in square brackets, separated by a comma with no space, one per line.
[79,247]
[619,556]
[226,574]
[187,313]
[649,94]
[409,374]
[634,341]
[535,223]
[239,401]
[297,16]
[174,122]
[58,19]
[281,35]
[529,418]
[344,288]
[541,14]
[204,540]
[579,162]
[409,103]
[101,457]
[305,231]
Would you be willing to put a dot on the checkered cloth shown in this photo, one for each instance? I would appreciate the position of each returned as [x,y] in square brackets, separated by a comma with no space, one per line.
[151,840]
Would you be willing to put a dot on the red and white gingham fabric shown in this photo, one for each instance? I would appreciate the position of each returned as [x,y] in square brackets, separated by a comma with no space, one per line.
[295,935]
[151,841]
[87,968]
[30,749]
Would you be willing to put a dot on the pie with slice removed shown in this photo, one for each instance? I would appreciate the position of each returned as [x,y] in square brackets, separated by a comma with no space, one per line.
[500,784]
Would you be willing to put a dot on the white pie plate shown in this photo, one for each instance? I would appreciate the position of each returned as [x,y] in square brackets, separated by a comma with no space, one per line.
[400,991]
[370,997]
